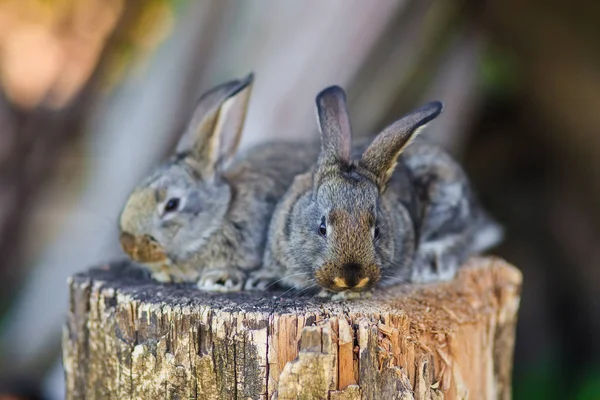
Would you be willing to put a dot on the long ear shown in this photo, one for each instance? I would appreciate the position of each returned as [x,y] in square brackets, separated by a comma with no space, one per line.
[381,156]
[214,131]
[334,125]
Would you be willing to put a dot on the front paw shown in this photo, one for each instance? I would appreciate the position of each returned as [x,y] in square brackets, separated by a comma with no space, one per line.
[261,280]
[222,280]
[161,276]
[347,295]
[171,273]
[432,265]
[160,272]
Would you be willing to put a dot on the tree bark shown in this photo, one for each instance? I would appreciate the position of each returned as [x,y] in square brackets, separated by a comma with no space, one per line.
[127,337]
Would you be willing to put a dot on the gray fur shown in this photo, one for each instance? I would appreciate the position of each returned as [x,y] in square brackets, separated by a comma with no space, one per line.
[218,231]
[419,198]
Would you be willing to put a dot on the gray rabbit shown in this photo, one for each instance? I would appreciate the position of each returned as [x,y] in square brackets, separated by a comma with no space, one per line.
[379,214]
[203,216]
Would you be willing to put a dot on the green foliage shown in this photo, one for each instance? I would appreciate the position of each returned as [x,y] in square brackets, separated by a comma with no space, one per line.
[540,381]
[590,386]
[500,72]
[546,380]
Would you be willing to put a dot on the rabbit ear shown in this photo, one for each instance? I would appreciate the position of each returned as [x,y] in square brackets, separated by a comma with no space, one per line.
[215,128]
[334,125]
[381,156]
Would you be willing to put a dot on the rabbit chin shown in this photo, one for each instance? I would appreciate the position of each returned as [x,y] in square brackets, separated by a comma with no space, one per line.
[142,249]
[339,279]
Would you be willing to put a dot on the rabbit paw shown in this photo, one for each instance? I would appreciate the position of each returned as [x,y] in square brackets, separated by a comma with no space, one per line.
[160,272]
[221,280]
[261,280]
[346,295]
[436,262]
[167,272]
[161,276]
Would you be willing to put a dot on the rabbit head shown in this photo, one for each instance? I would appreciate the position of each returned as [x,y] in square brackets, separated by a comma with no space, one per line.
[344,228]
[175,209]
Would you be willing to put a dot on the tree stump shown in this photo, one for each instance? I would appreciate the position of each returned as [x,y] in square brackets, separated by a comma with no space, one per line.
[128,337]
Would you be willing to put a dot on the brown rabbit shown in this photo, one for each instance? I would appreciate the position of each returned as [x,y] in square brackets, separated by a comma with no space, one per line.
[202,216]
[378,214]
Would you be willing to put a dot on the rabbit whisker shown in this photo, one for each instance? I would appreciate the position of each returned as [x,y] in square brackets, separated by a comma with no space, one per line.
[281,279]
[394,279]
[287,291]
[304,290]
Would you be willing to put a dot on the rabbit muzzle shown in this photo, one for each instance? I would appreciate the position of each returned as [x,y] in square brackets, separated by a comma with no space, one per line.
[143,248]
[349,259]
[354,277]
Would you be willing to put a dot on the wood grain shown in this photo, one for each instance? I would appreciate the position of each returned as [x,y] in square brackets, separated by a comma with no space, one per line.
[127,337]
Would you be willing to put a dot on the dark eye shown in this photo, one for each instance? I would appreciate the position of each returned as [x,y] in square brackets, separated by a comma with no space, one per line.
[376,232]
[323,228]
[172,205]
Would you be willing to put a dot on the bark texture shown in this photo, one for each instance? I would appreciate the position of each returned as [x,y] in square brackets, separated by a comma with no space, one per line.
[127,337]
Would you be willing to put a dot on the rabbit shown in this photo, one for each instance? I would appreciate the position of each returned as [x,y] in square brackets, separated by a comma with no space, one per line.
[202,216]
[392,211]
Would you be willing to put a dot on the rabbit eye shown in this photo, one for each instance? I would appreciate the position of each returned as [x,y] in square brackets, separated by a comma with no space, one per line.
[151,239]
[323,228]
[376,232]
[172,205]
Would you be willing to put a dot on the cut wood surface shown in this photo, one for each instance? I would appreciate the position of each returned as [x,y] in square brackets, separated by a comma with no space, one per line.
[127,337]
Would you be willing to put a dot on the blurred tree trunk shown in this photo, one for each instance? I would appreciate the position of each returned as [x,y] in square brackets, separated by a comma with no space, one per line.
[537,163]
[35,137]
[38,135]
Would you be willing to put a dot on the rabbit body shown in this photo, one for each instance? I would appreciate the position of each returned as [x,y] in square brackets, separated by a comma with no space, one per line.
[380,213]
[203,215]
[453,225]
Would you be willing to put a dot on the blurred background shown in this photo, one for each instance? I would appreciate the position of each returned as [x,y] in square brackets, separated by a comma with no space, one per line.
[95,92]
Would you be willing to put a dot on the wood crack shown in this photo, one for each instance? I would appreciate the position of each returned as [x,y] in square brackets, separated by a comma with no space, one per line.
[123,340]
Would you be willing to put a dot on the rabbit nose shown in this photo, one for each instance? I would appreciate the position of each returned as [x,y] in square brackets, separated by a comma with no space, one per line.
[127,243]
[351,273]
[352,277]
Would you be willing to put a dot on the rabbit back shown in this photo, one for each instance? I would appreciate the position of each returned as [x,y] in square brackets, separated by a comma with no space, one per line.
[451,223]
[259,179]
